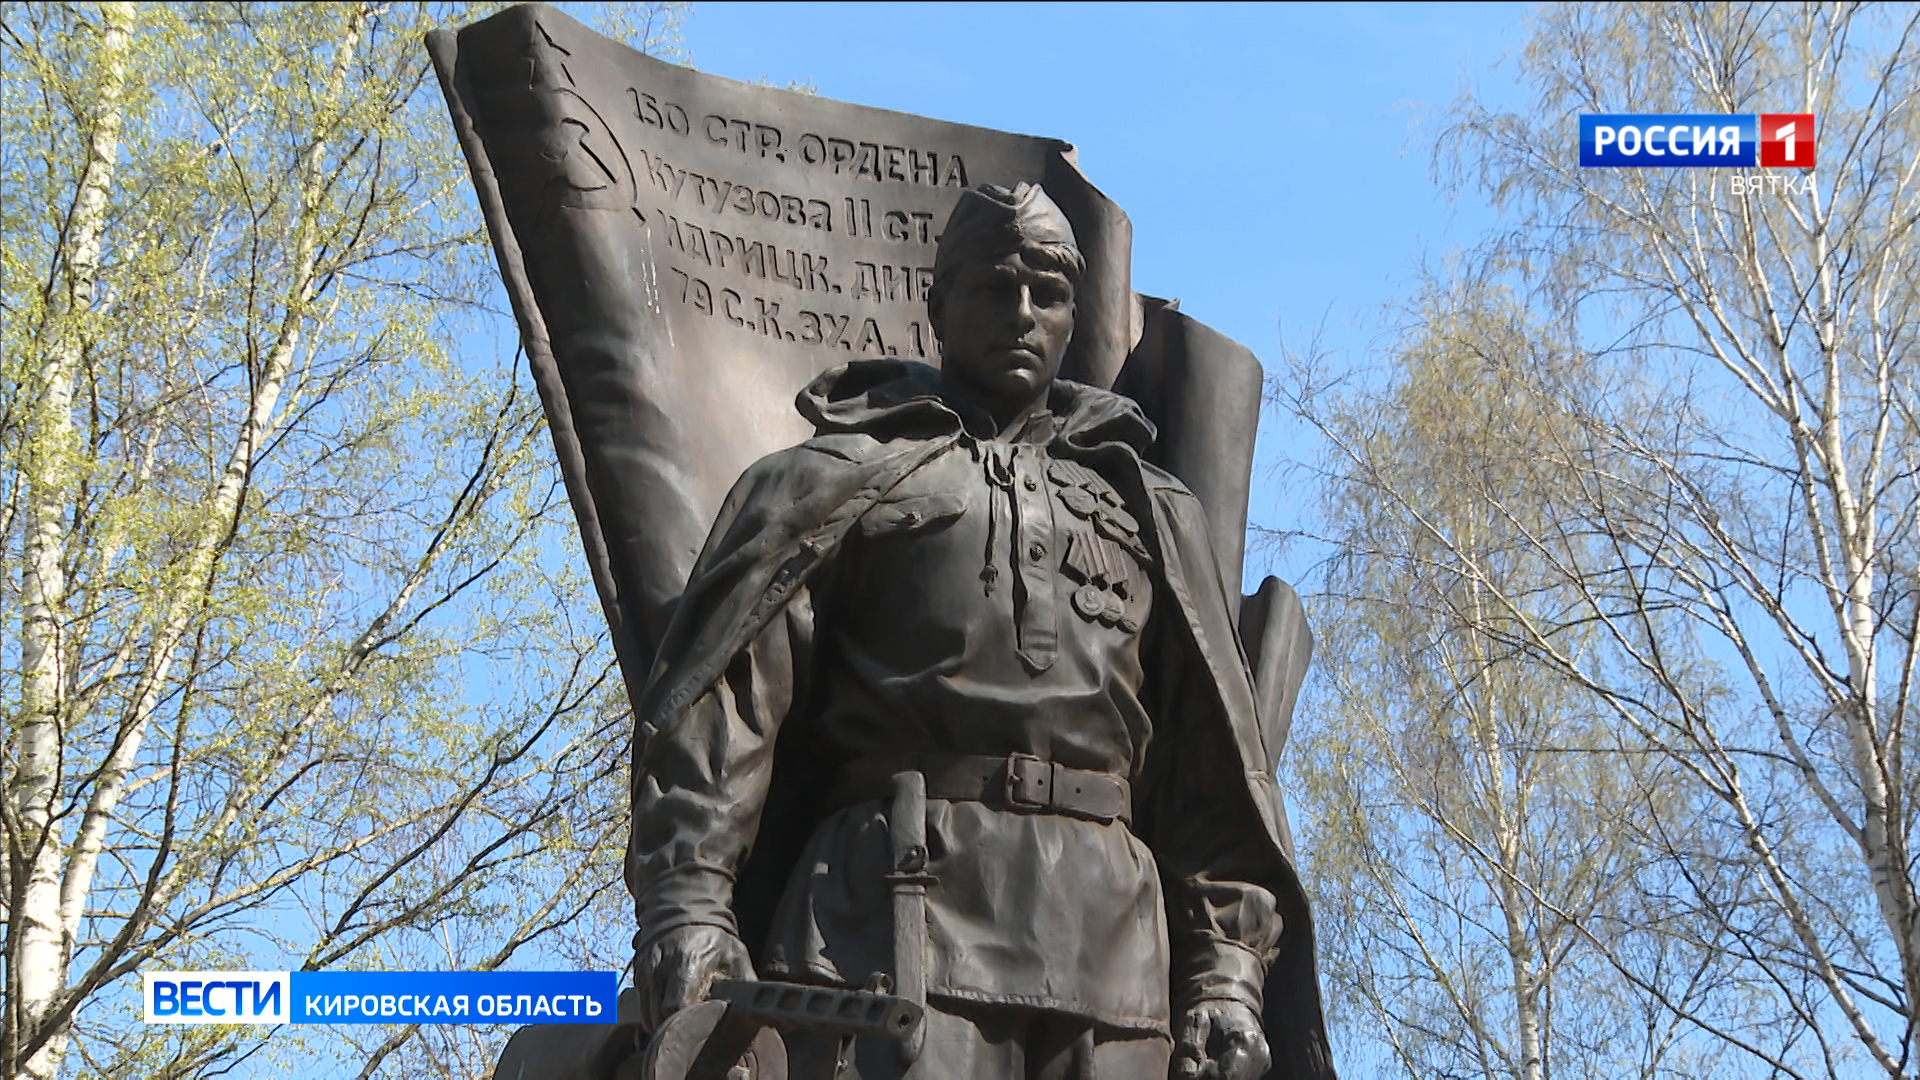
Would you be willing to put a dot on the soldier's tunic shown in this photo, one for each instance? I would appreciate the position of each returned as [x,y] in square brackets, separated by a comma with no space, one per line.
[991,604]
[1002,597]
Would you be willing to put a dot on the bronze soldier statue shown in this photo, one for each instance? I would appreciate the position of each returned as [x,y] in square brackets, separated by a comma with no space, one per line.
[972,575]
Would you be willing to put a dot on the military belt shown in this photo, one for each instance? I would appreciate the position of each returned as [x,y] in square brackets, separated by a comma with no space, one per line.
[1019,782]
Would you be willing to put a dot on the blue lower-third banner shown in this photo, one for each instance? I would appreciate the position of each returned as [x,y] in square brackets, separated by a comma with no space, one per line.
[381,997]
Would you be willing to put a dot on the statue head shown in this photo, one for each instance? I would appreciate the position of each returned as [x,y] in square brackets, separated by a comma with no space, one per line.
[1004,277]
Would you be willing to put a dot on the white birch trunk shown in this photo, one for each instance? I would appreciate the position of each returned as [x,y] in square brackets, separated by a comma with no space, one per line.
[216,516]
[40,940]
[62,877]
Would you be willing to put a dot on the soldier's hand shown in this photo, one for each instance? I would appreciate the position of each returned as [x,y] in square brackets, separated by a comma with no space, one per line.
[676,969]
[1220,1040]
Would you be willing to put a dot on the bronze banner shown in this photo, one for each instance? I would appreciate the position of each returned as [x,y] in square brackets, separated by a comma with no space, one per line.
[684,252]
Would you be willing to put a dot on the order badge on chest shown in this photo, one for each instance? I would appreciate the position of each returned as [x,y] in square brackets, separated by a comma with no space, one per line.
[1104,553]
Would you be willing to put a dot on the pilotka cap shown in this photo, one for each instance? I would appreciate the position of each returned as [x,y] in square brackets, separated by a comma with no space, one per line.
[990,222]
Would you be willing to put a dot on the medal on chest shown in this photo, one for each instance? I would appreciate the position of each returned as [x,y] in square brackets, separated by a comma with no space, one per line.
[1104,552]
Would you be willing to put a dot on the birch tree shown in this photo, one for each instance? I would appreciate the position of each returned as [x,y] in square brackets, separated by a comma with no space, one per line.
[297,671]
[1476,826]
[1729,493]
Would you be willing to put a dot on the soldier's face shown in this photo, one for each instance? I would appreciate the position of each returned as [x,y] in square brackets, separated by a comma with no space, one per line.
[1003,329]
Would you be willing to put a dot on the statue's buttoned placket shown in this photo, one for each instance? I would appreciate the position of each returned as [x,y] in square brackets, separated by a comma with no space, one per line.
[1034,559]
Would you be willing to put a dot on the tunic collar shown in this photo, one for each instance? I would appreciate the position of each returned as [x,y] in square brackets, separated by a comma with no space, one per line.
[892,398]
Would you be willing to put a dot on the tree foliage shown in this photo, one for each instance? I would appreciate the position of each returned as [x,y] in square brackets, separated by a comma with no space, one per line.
[1627,584]
[298,669]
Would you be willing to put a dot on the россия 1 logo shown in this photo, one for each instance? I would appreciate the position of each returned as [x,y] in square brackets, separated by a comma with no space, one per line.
[1696,140]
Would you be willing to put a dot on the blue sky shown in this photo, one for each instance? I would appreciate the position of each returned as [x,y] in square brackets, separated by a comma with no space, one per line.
[1273,158]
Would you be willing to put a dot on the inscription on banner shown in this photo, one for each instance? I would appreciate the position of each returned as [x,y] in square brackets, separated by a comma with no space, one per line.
[816,239]
[859,159]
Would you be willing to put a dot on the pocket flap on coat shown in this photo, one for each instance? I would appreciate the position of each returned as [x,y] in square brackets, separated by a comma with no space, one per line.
[910,514]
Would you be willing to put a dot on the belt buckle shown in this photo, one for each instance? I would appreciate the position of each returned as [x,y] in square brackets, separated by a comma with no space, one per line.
[1029,782]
